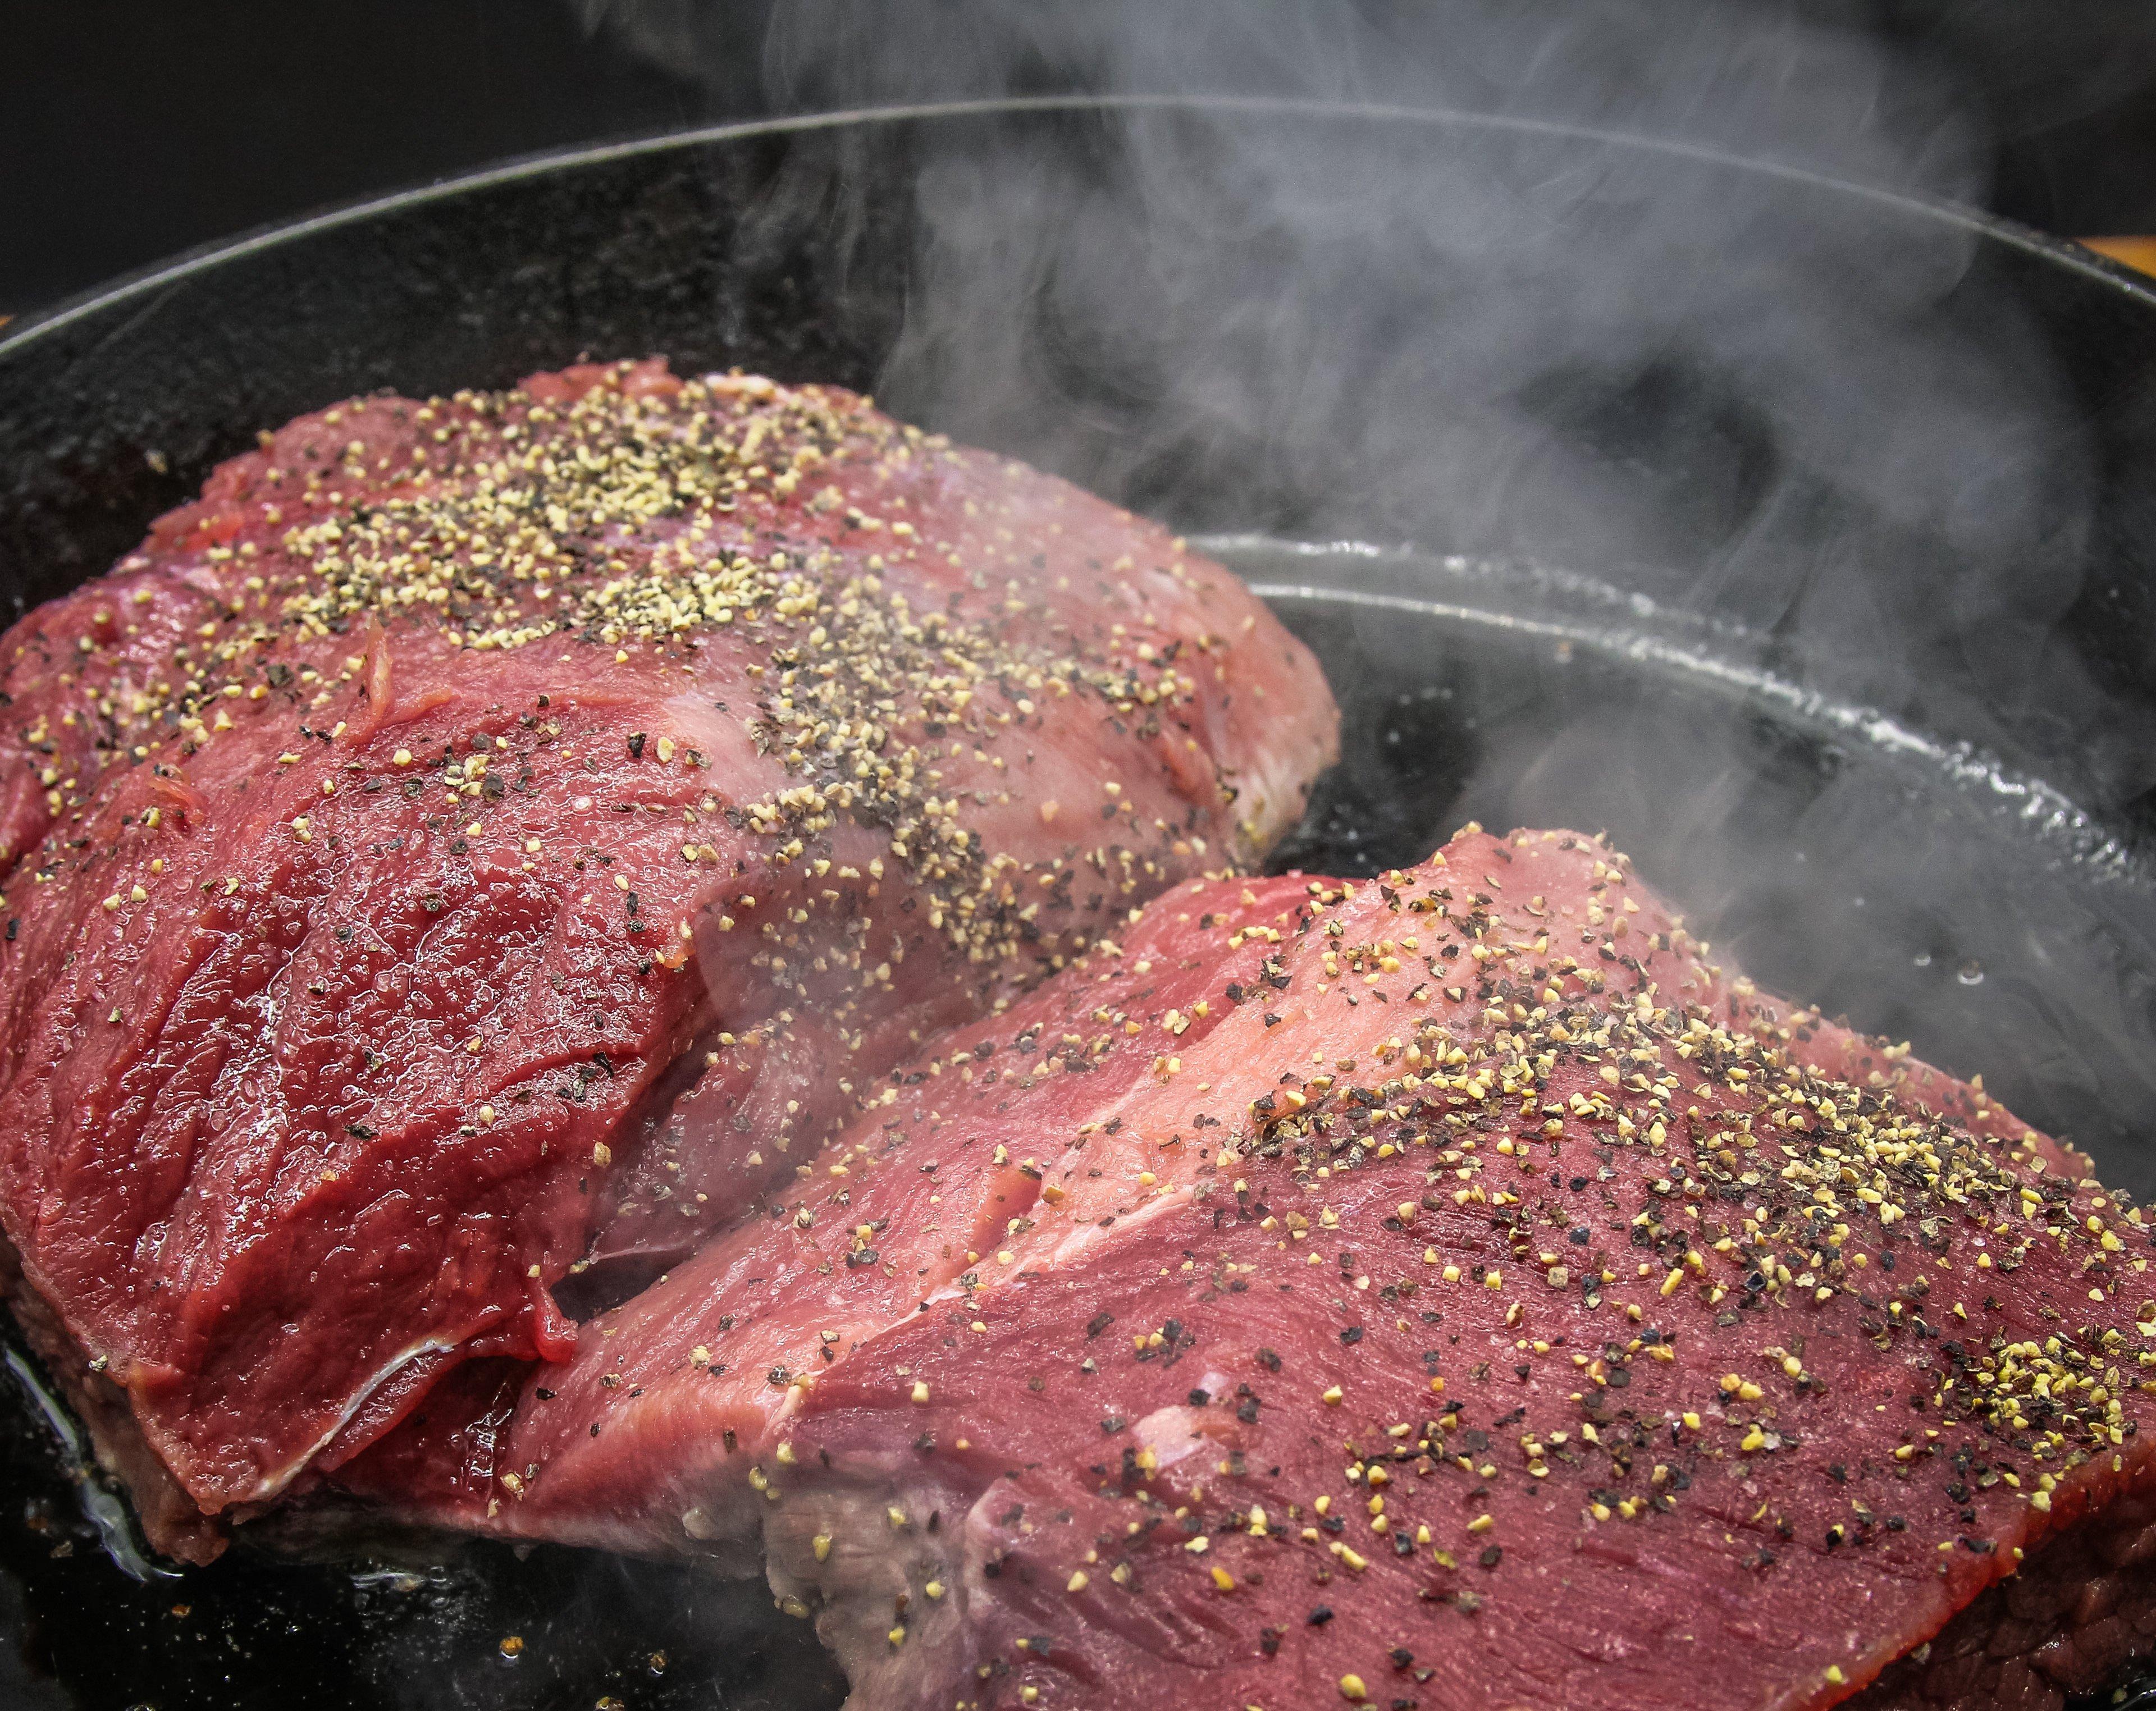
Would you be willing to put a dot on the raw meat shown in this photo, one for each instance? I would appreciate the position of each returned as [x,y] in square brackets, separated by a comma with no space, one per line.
[1453,1291]
[488,838]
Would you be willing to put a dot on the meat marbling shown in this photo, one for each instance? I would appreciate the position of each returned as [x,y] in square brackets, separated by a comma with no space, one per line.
[1453,1291]
[484,836]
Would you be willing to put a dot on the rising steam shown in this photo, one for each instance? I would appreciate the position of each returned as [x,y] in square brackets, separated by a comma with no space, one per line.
[1703,385]
[1550,325]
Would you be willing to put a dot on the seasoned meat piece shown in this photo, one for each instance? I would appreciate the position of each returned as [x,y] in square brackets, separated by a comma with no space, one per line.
[1454,1290]
[489,838]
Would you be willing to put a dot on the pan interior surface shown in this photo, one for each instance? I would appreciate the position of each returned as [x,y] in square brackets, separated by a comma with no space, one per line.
[1833,854]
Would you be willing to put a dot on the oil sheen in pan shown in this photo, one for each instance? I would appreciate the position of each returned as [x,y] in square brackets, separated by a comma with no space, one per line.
[1928,894]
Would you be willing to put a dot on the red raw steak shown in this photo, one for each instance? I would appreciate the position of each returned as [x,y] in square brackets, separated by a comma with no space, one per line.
[1453,1291]
[485,837]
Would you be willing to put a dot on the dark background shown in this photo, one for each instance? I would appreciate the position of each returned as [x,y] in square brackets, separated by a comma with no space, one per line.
[133,129]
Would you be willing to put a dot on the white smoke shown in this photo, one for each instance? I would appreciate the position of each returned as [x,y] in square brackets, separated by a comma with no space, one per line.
[1655,294]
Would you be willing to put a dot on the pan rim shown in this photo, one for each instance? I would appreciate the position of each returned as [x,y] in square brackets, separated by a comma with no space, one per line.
[1285,572]
[139,288]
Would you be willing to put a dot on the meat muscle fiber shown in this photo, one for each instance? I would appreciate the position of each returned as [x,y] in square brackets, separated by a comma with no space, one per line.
[484,837]
[1450,1291]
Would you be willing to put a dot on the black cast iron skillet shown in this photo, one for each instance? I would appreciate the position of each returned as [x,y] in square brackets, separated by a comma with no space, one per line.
[1797,534]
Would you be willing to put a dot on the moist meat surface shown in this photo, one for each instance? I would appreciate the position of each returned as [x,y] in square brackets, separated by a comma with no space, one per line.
[488,836]
[1450,1291]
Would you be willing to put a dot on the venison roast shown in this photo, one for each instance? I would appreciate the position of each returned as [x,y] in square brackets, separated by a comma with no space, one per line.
[1452,1291]
[485,843]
